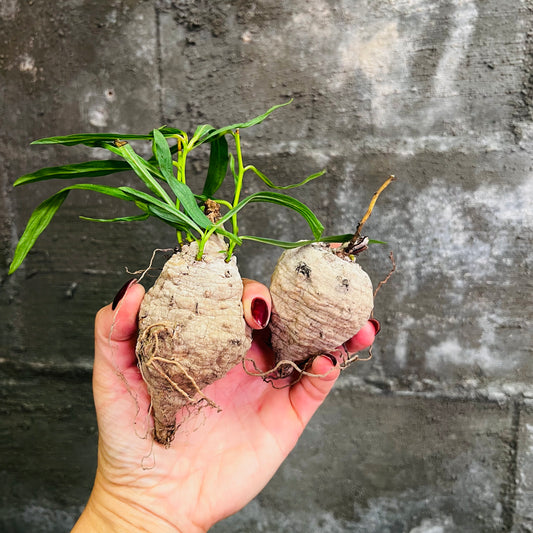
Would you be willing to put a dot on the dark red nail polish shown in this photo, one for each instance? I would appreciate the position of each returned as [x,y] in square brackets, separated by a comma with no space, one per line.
[376,324]
[122,292]
[332,357]
[260,312]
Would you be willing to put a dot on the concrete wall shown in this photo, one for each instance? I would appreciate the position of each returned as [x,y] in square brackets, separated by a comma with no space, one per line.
[435,433]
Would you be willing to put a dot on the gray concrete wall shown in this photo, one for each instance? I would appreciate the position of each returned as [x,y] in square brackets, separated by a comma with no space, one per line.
[435,433]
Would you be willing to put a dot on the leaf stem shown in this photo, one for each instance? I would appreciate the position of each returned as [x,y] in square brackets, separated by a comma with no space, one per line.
[238,187]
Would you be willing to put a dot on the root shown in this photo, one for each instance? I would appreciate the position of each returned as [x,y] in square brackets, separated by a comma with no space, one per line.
[270,376]
[153,360]
[149,267]
[391,272]
[192,381]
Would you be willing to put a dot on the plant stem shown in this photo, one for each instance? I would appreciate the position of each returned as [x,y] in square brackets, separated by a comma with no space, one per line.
[238,187]
[366,216]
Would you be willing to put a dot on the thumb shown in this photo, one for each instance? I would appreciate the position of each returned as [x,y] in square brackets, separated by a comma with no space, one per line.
[308,394]
[116,331]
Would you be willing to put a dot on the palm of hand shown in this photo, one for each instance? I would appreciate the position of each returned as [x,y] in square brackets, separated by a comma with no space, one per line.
[219,460]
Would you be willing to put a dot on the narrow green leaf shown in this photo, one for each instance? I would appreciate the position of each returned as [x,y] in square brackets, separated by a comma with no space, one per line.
[280,199]
[284,187]
[227,129]
[145,170]
[172,132]
[183,193]
[115,192]
[39,220]
[218,166]
[141,167]
[337,238]
[201,131]
[43,214]
[118,219]
[89,169]
[188,202]
[297,244]
[92,139]
[276,242]
[163,156]
[161,207]
[169,217]
[97,139]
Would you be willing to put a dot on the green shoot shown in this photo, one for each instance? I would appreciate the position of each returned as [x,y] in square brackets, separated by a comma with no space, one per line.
[166,195]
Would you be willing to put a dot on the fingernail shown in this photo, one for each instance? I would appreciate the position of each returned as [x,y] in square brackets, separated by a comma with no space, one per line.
[122,292]
[260,312]
[332,358]
[376,324]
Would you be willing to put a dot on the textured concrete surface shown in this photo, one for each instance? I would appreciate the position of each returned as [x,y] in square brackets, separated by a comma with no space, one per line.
[434,434]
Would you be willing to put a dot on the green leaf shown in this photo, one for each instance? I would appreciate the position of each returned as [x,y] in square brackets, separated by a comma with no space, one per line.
[163,156]
[183,193]
[218,166]
[91,139]
[337,238]
[43,214]
[203,130]
[98,139]
[284,187]
[280,199]
[275,242]
[297,244]
[169,217]
[39,220]
[162,207]
[146,170]
[141,167]
[172,132]
[188,202]
[118,219]
[227,129]
[88,169]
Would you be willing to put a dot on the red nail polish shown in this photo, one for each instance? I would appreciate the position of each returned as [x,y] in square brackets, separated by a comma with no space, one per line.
[260,312]
[331,357]
[376,324]
[122,292]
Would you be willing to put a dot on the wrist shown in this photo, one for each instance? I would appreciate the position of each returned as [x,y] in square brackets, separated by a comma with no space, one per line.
[109,511]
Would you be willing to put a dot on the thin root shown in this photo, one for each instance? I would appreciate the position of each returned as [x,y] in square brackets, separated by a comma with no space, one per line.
[149,267]
[269,376]
[153,360]
[383,282]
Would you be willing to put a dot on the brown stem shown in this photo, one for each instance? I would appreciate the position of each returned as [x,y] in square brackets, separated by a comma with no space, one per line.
[356,239]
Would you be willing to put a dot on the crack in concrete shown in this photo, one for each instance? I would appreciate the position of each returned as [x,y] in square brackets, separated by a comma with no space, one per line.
[510,487]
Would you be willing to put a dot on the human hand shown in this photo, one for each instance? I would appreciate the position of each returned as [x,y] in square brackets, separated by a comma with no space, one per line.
[218,461]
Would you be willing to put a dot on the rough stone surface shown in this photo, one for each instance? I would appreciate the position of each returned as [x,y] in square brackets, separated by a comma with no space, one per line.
[432,434]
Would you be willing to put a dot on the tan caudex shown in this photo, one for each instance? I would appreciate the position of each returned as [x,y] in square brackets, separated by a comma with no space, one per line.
[191,331]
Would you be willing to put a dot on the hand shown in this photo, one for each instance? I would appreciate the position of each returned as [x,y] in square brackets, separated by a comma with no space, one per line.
[218,461]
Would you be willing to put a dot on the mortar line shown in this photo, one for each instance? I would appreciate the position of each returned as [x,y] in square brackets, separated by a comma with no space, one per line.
[159,61]
[509,493]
